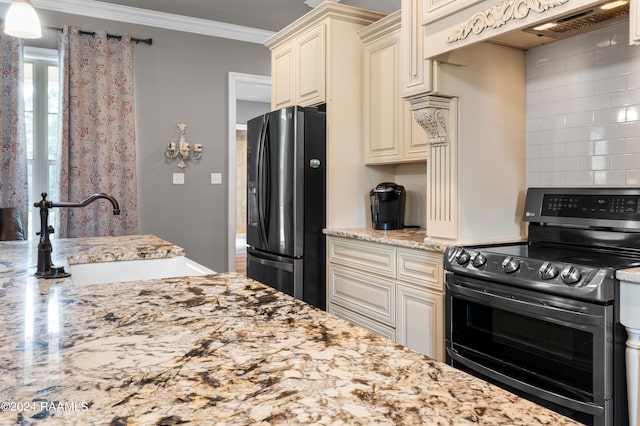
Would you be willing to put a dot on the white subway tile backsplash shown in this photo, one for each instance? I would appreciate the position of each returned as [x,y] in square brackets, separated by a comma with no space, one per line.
[583,118]
[616,83]
[581,89]
[583,110]
[610,177]
[625,98]
[632,145]
[633,177]
[610,115]
[633,80]
[579,178]
[628,129]
[539,138]
[604,56]
[533,151]
[625,162]
[606,147]
[582,60]
[565,164]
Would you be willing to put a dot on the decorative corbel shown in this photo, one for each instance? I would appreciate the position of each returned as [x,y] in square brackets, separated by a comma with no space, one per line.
[432,113]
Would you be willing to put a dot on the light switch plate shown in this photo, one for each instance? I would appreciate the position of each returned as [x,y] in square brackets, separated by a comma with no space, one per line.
[178,178]
[216,178]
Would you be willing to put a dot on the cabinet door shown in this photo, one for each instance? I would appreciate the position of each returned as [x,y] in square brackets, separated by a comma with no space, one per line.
[382,112]
[415,138]
[416,71]
[420,321]
[311,64]
[362,321]
[282,70]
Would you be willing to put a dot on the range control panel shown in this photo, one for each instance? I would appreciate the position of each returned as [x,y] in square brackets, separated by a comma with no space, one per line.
[577,281]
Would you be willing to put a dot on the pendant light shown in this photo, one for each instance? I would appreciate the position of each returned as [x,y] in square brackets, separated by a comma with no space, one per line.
[22,20]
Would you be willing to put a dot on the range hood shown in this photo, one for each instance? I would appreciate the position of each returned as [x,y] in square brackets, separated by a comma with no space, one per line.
[564,26]
[554,20]
[582,21]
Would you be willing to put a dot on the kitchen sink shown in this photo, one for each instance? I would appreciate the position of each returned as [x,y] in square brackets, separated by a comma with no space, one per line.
[134,270]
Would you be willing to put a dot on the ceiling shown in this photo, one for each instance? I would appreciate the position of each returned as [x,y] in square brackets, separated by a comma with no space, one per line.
[246,20]
[271,15]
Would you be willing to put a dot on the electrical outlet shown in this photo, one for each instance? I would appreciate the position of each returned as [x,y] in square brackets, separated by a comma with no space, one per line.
[216,178]
[178,178]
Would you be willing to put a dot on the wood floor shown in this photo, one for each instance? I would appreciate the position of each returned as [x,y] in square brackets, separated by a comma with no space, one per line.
[241,254]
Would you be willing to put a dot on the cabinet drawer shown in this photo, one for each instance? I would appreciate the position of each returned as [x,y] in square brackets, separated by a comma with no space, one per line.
[421,268]
[366,294]
[362,321]
[370,257]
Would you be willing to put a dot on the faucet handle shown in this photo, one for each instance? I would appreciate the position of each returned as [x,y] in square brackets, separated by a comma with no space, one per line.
[50,230]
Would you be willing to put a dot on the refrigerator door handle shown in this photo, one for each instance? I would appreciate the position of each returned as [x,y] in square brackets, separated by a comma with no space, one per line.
[278,265]
[263,184]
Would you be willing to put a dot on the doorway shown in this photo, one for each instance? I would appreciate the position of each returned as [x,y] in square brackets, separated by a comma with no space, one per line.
[249,96]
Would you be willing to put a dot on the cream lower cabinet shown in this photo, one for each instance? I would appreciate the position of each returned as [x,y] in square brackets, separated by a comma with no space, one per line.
[395,292]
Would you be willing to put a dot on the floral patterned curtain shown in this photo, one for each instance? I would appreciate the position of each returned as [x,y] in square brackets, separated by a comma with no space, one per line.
[13,157]
[97,148]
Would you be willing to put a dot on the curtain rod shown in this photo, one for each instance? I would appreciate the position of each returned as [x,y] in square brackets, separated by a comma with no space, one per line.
[136,40]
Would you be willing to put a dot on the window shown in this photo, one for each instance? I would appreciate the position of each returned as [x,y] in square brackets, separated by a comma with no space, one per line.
[41,96]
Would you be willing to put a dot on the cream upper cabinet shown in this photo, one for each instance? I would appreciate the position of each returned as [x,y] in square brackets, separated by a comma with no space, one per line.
[390,133]
[318,60]
[395,292]
[417,72]
[433,10]
[283,65]
[300,69]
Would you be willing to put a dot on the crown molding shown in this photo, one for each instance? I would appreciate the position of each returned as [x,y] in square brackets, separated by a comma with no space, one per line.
[134,15]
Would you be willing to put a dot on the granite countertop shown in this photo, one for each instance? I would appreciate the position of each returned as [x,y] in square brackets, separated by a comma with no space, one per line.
[216,349]
[407,237]
[631,275]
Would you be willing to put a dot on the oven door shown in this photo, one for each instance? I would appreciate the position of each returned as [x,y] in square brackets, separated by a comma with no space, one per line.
[548,349]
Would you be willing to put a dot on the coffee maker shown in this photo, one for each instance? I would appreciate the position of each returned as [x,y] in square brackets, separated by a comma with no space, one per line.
[387,206]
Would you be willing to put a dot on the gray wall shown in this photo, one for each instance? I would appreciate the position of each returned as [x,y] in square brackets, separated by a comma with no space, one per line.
[182,77]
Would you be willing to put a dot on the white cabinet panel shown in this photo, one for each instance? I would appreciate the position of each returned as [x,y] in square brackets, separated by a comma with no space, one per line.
[416,71]
[282,64]
[367,294]
[362,321]
[406,302]
[325,67]
[420,322]
[420,268]
[382,112]
[391,135]
[311,67]
[370,257]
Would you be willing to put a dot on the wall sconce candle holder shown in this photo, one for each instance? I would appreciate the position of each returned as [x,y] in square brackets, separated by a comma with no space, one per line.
[182,149]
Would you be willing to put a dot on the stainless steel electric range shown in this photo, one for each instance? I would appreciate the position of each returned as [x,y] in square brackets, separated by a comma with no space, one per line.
[540,318]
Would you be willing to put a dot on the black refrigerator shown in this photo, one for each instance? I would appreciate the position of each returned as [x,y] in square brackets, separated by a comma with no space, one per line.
[286,202]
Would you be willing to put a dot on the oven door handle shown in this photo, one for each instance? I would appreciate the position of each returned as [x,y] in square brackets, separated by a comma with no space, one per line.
[514,303]
[555,398]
